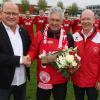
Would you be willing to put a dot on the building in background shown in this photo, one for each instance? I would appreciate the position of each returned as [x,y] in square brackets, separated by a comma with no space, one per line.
[33,8]
[94,8]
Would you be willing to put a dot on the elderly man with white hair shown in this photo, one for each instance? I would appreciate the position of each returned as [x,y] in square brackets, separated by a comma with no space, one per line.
[51,39]
[14,43]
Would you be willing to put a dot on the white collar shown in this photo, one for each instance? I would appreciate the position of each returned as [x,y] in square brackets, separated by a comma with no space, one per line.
[88,33]
[7,27]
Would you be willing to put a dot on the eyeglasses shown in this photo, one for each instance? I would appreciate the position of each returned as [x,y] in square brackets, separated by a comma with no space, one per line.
[11,13]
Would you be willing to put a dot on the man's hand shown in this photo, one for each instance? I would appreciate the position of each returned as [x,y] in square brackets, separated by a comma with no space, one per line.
[48,59]
[97,85]
[26,60]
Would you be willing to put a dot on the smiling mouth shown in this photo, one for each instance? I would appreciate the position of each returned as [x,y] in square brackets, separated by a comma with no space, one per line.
[11,20]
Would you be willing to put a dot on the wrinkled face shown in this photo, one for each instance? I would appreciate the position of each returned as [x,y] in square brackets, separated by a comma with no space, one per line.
[41,12]
[10,15]
[87,20]
[55,21]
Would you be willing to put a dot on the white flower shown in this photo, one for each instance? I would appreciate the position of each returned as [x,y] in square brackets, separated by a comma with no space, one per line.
[61,62]
[74,63]
[66,58]
[69,58]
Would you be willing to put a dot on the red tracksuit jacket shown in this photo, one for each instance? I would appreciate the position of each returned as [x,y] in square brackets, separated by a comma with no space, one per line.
[48,75]
[89,51]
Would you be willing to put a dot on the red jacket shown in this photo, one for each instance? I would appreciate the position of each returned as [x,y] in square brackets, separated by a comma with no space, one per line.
[76,25]
[40,22]
[97,24]
[48,75]
[89,51]
[27,23]
[67,25]
[20,20]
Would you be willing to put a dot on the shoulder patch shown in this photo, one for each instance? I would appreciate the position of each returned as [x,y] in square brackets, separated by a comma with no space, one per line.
[96,39]
[77,37]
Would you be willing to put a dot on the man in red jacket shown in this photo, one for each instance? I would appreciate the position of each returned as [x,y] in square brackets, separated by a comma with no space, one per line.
[87,40]
[66,22]
[27,23]
[40,21]
[51,39]
[76,25]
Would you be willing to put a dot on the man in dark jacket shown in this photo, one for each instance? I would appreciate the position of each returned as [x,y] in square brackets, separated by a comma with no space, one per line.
[14,43]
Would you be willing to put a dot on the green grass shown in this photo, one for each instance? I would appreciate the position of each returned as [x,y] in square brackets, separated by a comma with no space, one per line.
[32,85]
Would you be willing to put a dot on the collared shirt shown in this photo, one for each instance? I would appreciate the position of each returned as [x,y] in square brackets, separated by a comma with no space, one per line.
[86,36]
[16,42]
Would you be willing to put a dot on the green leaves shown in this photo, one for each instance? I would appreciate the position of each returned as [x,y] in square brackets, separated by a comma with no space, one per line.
[25,5]
[42,4]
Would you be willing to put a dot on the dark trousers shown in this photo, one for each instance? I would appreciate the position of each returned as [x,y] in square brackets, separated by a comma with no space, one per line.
[91,92]
[59,92]
[18,92]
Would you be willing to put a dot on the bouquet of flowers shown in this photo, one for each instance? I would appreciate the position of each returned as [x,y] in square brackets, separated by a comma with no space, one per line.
[66,60]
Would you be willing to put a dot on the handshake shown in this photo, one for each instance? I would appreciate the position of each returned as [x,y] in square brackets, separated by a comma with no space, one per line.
[26,60]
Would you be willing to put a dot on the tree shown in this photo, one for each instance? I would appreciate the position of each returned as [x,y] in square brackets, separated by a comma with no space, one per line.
[6,0]
[73,9]
[25,5]
[60,4]
[42,4]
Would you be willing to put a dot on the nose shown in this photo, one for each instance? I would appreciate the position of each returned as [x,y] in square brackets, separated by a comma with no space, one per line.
[11,15]
[55,22]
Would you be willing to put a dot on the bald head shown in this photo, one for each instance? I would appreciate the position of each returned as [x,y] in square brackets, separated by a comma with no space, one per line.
[10,5]
[88,12]
[87,20]
[10,14]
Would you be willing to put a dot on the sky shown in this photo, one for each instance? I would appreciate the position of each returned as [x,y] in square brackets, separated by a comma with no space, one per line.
[80,3]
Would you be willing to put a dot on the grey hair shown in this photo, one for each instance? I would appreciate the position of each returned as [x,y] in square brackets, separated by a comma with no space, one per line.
[55,10]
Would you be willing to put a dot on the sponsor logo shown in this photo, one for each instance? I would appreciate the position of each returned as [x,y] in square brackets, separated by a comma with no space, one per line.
[44,77]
